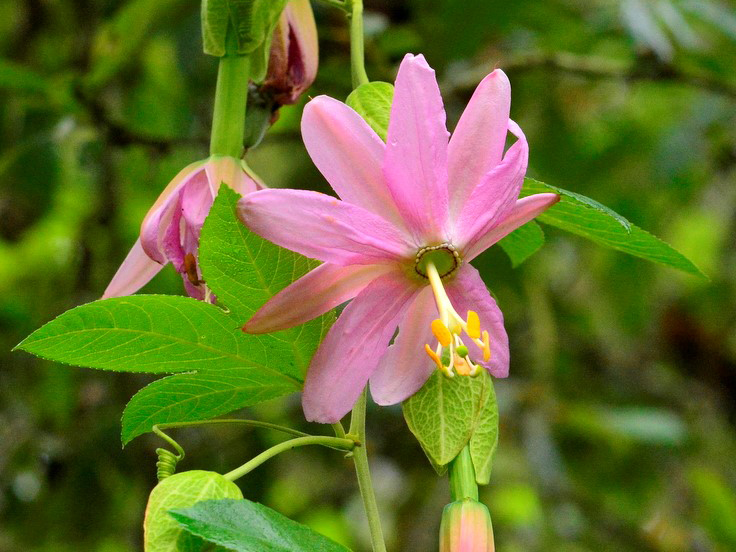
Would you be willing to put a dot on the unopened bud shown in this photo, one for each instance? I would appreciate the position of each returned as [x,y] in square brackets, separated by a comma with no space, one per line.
[466,527]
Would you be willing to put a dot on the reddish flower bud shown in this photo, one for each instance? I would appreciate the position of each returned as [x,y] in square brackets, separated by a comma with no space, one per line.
[466,527]
[292,65]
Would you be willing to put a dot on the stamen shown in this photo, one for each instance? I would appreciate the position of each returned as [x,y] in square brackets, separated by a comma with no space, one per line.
[486,346]
[473,325]
[441,332]
[433,356]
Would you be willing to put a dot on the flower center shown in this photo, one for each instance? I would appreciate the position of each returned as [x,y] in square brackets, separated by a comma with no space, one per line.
[444,257]
[451,354]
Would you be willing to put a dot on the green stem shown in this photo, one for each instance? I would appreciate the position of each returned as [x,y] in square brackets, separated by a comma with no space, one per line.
[360,457]
[253,423]
[228,119]
[357,50]
[332,442]
[462,477]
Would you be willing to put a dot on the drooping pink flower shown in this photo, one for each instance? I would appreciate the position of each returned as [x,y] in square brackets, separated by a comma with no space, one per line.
[170,231]
[466,527]
[414,211]
[293,60]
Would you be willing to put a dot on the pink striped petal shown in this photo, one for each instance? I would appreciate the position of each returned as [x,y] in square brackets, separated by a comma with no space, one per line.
[477,144]
[495,194]
[135,272]
[405,366]
[468,292]
[524,210]
[415,166]
[349,154]
[353,346]
[323,227]
[320,290]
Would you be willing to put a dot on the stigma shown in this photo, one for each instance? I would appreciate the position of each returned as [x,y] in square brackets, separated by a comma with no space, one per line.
[451,355]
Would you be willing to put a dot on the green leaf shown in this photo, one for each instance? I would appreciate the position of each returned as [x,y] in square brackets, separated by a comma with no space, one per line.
[443,414]
[373,102]
[181,490]
[244,271]
[484,441]
[523,242]
[157,334]
[200,396]
[246,526]
[18,77]
[253,21]
[588,218]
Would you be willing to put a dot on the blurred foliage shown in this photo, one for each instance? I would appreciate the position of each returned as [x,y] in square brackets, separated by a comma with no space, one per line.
[617,423]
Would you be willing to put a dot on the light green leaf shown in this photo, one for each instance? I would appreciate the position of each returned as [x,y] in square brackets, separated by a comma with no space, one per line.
[443,414]
[200,396]
[18,77]
[253,21]
[588,218]
[244,271]
[523,242]
[373,102]
[246,526]
[484,441]
[157,334]
[181,490]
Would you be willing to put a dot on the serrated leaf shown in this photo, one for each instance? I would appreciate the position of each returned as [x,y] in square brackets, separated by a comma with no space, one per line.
[181,490]
[372,101]
[484,441]
[246,526]
[200,396]
[443,414]
[245,271]
[523,242]
[157,334]
[585,217]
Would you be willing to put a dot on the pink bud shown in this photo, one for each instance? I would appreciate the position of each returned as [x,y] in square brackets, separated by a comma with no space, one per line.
[170,231]
[292,65]
[466,527]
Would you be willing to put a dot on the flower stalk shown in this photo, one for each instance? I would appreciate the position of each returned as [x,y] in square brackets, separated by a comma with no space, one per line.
[462,477]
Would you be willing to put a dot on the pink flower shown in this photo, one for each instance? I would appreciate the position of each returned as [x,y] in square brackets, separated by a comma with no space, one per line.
[466,527]
[292,64]
[170,231]
[414,212]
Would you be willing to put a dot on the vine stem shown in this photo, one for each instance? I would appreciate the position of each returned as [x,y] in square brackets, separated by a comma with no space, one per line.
[360,458]
[228,118]
[332,442]
[357,49]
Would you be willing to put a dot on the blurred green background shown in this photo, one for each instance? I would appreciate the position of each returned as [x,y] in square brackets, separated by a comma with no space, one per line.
[617,423]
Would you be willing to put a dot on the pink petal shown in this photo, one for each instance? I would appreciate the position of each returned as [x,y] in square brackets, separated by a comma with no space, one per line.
[158,220]
[415,167]
[477,144]
[405,366]
[468,292]
[353,346]
[524,210]
[349,154]
[323,227]
[320,290]
[135,272]
[495,194]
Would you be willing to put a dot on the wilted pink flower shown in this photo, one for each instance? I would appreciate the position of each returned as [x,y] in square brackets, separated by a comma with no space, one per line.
[170,230]
[414,212]
[466,527]
[292,65]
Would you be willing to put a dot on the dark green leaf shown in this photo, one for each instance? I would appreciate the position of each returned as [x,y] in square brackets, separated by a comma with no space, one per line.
[523,242]
[484,441]
[443,414]
[181,490]
[373,102]
[246,526]
[588,218]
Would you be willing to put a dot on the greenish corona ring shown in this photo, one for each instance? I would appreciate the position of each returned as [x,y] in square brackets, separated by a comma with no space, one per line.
[444,257]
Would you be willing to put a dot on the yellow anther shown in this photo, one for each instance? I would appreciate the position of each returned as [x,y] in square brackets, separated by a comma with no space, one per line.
[486,347]
[441,332]
[433,356]
[473,325]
